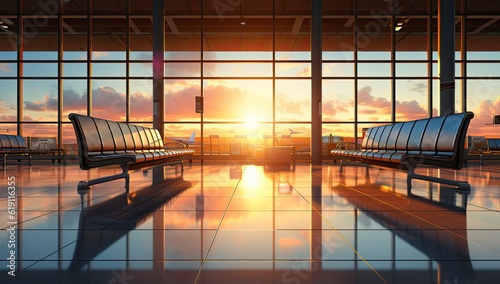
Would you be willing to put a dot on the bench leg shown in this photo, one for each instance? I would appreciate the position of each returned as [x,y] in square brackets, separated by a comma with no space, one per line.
[461,185]
[85,185]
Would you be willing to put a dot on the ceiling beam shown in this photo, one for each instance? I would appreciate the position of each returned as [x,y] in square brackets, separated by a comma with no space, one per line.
[171,24]
[297,25]
[484,26]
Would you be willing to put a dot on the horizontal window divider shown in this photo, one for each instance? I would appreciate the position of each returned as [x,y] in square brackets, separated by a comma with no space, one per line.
[412,77]
[239,61]
[337,122]
[231,78]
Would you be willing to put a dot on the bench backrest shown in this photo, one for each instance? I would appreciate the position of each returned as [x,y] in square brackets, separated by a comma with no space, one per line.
[98,136]
[434,136]
[12,142]
[493,144]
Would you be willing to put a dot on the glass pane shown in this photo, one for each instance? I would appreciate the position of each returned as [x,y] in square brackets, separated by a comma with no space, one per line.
[248,101]
[74,97]
[141,100]
[39,55]
[293,100]
[411,99]
[236,55]
[37,130]
[8,69]
[108,99]
[74,69]
[179,130]
[374,55]
[297,69]
[181,55]
[7,55]
[338,100]
[8,128]
[40,130]
[180,100]
[108,69]
[483,69]
[374,69]
[292,55]
[374,100]
[484,100]
[336,133]
[40,100]
[298,135]
[411,55]
[69,140]
[40,69]
[8,101]
[339,55]
[237,69]
[411,69]
[338,69]
[144,69]
[182,69]
[483,55]
[75,55]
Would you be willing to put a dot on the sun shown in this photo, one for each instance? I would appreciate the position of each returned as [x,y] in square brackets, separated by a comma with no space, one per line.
[250,122]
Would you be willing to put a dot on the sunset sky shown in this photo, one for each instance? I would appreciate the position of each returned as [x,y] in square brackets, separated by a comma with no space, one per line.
[239,96]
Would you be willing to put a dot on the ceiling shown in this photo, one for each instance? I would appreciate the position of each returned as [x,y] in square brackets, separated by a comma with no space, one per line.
[242,25]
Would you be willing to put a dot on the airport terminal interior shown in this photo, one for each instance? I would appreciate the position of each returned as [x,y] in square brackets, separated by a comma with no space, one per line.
[262,118]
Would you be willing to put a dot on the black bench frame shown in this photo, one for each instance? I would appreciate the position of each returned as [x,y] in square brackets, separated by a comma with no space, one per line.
[436,141]
[14,145]
[108,143]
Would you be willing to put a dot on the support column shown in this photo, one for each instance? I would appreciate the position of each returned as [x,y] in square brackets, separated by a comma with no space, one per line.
[446,59]
[316,83]
[158,66]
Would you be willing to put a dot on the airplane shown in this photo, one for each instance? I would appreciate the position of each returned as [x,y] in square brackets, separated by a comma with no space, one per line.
[189,141]
[294,132]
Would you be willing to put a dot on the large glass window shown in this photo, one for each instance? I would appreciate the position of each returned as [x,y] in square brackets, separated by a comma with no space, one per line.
[250,64]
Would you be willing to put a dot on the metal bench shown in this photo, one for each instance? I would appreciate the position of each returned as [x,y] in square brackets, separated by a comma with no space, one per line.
[491,150]
[108,143]
[14,145]
[436,141]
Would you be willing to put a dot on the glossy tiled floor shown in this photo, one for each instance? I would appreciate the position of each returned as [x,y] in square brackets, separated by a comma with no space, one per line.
[232,223]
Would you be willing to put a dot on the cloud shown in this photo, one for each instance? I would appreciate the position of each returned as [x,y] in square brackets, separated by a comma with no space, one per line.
[371,104]
[409,110]
[418,87]
[74,102]
[99,54]
[483,117]
[5,67]
[40,106]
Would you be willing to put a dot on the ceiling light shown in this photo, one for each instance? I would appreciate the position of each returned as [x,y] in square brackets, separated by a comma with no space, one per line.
[398,28]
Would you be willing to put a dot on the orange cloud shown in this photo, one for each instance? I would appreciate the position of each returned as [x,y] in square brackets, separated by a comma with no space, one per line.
[483,118]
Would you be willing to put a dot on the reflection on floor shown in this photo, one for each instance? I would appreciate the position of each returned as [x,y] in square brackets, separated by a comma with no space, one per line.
[243,223]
